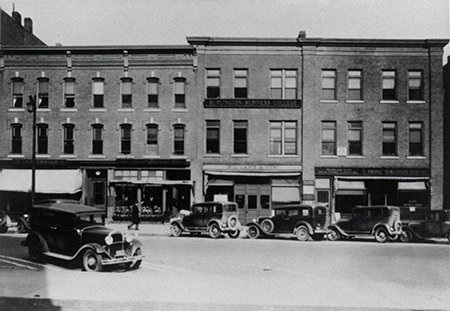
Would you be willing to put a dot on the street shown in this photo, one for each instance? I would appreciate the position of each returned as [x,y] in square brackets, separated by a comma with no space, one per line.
[199,273]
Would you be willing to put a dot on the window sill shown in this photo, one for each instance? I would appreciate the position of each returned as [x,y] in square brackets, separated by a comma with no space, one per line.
[240,155]
[329,101]
[355,157]
[212,155]
[152,156]
[125,156]
[43,110]
[389,101]
[354,101]
[126,110]
[389,157]
[67,156]
[16,156]
[179,110]
[97,156]
[416,102]
[16,109]
[42,156]
[174,156]
[97,109]
[282,156]
[328,156]
[69,109]
[416,157]
[152,110]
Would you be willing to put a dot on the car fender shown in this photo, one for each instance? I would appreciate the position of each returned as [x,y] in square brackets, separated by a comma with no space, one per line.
[379,225]
[305,224]
[340,230]
[24,221]
[215,221]
[179,223]
[41,240]
[135,244]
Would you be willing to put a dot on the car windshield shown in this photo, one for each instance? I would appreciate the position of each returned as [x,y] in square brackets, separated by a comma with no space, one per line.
[230,207]
[92,219]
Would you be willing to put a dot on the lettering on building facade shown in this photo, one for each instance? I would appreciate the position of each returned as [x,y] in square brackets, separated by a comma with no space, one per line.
[253,103]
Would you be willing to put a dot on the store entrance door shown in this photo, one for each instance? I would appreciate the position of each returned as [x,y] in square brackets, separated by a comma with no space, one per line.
[253,201]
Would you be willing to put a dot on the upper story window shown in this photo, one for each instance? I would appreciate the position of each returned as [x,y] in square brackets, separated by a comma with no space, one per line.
[42,138]
[328,84]
[354,85]
[415,139]
[213,136]
[98,93]
[283,137]
[152,139]
[355,138]
[415,85]
[125,138]
[97,139]
[389,85]
[69,92]
[16,138]
[240,83]
[389,139]
[69,130]
[328,137]
[125,91]
[240,132]
[179,133]
[43,87]
[152,92]
[17,92]
[283,84]
[180,92]
[213,83]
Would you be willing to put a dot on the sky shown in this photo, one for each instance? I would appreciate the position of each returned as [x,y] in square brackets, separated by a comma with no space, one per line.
[159,22]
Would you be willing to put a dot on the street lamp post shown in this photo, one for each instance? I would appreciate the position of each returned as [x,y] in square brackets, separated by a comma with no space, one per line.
[31,107]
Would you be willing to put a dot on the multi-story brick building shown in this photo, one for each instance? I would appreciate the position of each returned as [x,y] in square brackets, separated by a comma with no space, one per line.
[260,121]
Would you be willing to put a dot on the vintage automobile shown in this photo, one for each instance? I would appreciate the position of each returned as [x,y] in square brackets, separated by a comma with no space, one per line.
[5,222]
[420,224]
[214,218]
[70,231]
[383,222]
[303,221]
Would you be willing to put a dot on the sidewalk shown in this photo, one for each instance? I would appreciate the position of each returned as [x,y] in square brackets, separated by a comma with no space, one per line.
[145,228]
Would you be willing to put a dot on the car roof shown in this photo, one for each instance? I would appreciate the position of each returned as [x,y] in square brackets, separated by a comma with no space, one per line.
[296,206]
[378,206]
[69,207]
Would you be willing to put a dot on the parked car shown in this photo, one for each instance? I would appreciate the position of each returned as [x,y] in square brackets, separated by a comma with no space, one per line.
[215,218]
[303,221]
[425,224]
[383,222]
[70,231]
[5,222]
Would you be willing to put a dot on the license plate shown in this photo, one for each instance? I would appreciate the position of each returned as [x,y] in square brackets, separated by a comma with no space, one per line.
[120,252]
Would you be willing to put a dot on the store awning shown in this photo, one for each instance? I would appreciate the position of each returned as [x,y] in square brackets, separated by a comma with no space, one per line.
[47,181]
[220,182]
[416,185]
[158,183]
[381,177]
[344,187]
[253,173]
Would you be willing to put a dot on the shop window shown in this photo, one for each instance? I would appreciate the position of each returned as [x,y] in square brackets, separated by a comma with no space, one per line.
[69,92]
[16,138]
[355,138]
[240,83]
[283,137]
[179,133]
[68,138]
[389,91]
[152,92]
[125,138]
[415,85]
[213,83]
[98,85]
[43,88]
[328,84]
[42,139]
[17,92]
[328,137]
[354,85]
[389,139]
[415,139]
[180,92]
[283,84]
[213,136]
[125,90]
[240,137]
[97,139]
[152,139]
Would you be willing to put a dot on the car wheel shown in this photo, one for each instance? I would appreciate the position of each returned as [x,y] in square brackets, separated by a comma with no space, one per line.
[234,234]
[333,235]
[233,222]
[267,226]
[318,236]
[253,232]
[133,265]
[175,230]
[92,261]
[406,236]
[302,233]
[21,227]
[35,249]
[214,231]
[381,235]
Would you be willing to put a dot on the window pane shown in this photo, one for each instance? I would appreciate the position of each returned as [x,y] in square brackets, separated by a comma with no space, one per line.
[70,88]
[415,136]
[240,82]
[276,93]
[388,83]
[179,87]
[291,82]
[98,87]
[354,135]
[275,82]
[354,83]
[328,134]
[126,87]
[328,83]
[290,94]
[328,94]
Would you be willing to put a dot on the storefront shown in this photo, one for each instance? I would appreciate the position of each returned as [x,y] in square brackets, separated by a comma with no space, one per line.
[349,187]
[256,188]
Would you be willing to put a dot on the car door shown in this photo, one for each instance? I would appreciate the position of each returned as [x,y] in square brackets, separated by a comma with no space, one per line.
[67,239]
[359,220]
[279,220]
[432,225]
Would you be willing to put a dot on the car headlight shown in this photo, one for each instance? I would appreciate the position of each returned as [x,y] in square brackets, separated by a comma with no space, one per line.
[128,238]
[108,240]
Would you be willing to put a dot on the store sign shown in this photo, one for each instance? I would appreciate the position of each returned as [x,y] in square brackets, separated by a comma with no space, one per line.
[366,171]
[253,103]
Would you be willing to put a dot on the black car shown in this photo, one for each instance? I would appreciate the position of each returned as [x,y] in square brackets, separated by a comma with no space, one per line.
[301,220]
[70,231]
[5,222]
[419,223]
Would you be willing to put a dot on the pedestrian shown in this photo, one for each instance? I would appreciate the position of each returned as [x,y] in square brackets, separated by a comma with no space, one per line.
[135,217]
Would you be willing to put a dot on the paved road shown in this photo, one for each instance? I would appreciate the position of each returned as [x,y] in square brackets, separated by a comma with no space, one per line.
[198,273]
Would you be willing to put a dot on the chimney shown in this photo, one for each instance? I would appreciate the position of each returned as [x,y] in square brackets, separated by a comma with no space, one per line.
[17,17]
[302,34]
[28,24]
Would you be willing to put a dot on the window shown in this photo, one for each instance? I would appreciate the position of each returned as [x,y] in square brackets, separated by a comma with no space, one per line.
[389,139]
[415,139]
[69,138]
[179,92]
[212,136]
[328,84]
[213,83]
[98,85]
[125,90]
[69,92]
[16,138]
[389,85]
[355,138]
[354,85]
[240,137]
[152,92]
[179,139]
[283,84]
[415,85]
[43,85]
[152,139]
[42,139]
[97,139]
[17,92]
[125,138]
[328,137]
[240,83]
[283,137]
